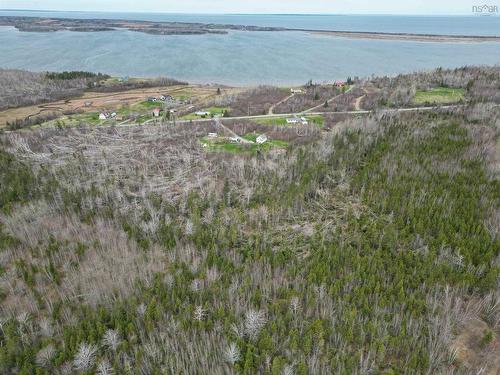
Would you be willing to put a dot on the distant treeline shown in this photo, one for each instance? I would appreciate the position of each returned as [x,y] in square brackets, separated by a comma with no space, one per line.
[75,75]
[130,85]
[22,88]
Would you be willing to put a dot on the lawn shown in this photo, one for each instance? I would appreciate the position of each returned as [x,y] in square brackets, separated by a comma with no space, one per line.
[147,106]
[89,118]
[224,145]
[281,121]
[439,95]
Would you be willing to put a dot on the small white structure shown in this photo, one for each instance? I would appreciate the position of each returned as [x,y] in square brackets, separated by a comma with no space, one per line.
[113,115]
[234,139]
[261,139]
[296,91]
[297,120]
[202,113]
[103,116]
[212,135]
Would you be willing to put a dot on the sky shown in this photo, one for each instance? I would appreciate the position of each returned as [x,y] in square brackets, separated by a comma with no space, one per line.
[427,7]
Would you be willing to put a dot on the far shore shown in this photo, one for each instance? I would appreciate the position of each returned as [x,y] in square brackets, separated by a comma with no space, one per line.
[39,24]
[405,36]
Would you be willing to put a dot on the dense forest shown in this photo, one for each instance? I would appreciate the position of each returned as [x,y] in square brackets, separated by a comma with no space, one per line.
[372,249]
[76,75]
[481,84]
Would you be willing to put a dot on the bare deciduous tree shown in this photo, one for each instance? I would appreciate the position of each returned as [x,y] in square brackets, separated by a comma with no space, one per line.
[85,357]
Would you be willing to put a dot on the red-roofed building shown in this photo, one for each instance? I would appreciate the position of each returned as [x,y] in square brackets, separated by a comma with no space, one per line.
[156,112]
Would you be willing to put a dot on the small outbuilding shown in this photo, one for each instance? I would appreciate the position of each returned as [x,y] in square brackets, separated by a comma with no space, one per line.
[261,139]
[157,112]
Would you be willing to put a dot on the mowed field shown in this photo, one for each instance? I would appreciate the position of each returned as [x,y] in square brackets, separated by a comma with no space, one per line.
[439,95]
[110,101]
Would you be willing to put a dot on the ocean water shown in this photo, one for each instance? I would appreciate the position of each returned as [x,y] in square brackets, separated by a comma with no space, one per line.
[248,58]
[452,25]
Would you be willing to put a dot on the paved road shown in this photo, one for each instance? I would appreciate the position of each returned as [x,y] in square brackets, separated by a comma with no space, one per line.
[364,112]
[279,115]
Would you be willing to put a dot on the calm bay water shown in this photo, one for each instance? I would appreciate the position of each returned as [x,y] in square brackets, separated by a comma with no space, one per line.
[248,58]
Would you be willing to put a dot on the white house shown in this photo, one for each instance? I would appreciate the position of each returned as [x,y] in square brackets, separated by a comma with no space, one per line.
[297,120]
[261,139]
[202,113]
[156,112]
[113,115]
[212,135]
[103,116]
[296,91]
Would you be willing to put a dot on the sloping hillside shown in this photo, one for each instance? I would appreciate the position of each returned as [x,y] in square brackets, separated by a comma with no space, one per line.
[370,250]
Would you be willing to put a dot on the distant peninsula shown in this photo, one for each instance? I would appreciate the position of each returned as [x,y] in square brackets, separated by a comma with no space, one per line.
[39,24]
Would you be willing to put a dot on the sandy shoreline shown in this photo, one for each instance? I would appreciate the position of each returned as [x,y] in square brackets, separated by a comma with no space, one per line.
[405,36]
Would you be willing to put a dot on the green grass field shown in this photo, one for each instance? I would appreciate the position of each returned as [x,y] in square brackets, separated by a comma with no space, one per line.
[439,95]
[223,145]
[213,112]
[146,106]
[90,118]
[281,121]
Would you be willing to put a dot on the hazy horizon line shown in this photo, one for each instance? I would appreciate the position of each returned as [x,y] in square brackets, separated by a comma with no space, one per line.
[242,13]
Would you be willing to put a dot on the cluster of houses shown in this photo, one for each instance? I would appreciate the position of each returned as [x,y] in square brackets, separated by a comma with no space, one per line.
[167,99]
[297,121]
[162,98]
[107,115]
